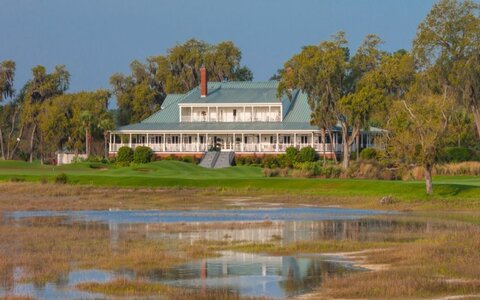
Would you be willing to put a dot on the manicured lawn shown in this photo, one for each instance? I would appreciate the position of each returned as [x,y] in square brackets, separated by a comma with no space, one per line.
[179,174]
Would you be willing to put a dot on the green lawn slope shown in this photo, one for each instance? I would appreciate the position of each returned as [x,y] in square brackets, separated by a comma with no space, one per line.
[179,174]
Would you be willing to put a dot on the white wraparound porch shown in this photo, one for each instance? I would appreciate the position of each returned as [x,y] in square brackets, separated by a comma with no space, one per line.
[180,142]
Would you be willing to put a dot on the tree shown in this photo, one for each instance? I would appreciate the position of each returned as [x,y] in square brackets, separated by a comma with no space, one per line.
[447,45]
[419,129]
[88,119]
[41,87]
[335,85]
[7,90]
[106,124]
[72,121]
[141,93]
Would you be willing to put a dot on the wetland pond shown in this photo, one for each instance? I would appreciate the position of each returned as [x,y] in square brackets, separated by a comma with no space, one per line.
[246,274]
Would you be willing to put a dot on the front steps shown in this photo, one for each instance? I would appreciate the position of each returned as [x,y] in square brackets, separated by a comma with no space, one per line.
[217,159]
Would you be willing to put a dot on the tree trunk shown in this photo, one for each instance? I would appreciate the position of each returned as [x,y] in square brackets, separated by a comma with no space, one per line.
[1,144]
[346,148]
[87,143]
[322,133]
[10,153]
[41,150]
[346,155]
[105,147]
[428,179]
[357,143]
[476,117]
[32,138]
[334,147]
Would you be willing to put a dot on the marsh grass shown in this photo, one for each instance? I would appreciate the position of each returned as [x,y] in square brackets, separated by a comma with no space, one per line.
[446,263]
[48,248]
[127,288]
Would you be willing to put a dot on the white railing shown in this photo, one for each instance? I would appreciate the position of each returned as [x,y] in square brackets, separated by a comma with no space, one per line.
[188,119]
[260,147]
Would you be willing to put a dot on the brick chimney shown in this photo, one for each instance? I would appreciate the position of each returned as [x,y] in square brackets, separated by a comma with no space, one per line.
[203,82]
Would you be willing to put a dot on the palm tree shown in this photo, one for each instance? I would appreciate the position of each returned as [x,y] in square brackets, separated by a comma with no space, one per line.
[87,122]
[106,125]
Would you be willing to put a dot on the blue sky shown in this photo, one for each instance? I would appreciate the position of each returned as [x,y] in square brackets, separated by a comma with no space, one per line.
[96,38]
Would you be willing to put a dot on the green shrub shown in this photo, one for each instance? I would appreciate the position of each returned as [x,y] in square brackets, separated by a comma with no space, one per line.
[61,178]
[124,156]
[276,172]
[142,155]
[457,154]
[306,169]
[17,179]
[270,162]
[188,159]
[306,154]
[97,159]
[291,155]
[368,153]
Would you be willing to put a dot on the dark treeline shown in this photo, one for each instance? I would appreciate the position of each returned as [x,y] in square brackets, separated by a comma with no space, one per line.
[427,98]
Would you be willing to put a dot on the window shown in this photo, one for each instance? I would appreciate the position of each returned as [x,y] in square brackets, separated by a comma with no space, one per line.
[202,139]
[286,139]
[304,139]
[272,139]
[156,139]
[175,139]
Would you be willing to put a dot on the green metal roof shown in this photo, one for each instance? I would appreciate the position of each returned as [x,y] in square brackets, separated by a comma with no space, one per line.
[296,112]
[236,92]
[169,113]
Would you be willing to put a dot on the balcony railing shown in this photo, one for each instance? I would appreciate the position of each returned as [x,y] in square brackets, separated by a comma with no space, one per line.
[187,119]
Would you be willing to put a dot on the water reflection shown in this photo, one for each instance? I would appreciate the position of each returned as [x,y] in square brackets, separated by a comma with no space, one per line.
[247,274]
[255,275]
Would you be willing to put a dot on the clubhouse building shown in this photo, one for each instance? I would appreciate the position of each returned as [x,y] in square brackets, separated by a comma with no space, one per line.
[246,118]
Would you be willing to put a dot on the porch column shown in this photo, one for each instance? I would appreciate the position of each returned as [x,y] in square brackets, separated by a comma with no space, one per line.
[164,143]
[260,141]
[191,114]
[311,142]
[251,119]
[198,142]
[148,141]
[243,139]
[276,149]
[208,113]
[234,142]
[181,142]
[217,114]
[130,141]
[206,141]
[269,112]
[244,118]
[294,140]
[110,143]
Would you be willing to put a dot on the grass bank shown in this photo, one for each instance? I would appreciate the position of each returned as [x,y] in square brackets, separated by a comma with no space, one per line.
[174,174]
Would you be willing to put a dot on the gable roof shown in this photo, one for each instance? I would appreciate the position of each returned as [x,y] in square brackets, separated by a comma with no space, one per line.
[236,92]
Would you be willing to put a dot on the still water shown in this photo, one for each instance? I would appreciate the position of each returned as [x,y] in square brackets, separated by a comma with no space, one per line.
[246,274]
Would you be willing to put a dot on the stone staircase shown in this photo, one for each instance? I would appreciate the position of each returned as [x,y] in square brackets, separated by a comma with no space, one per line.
[209,159]
[217,160]
[225,160]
